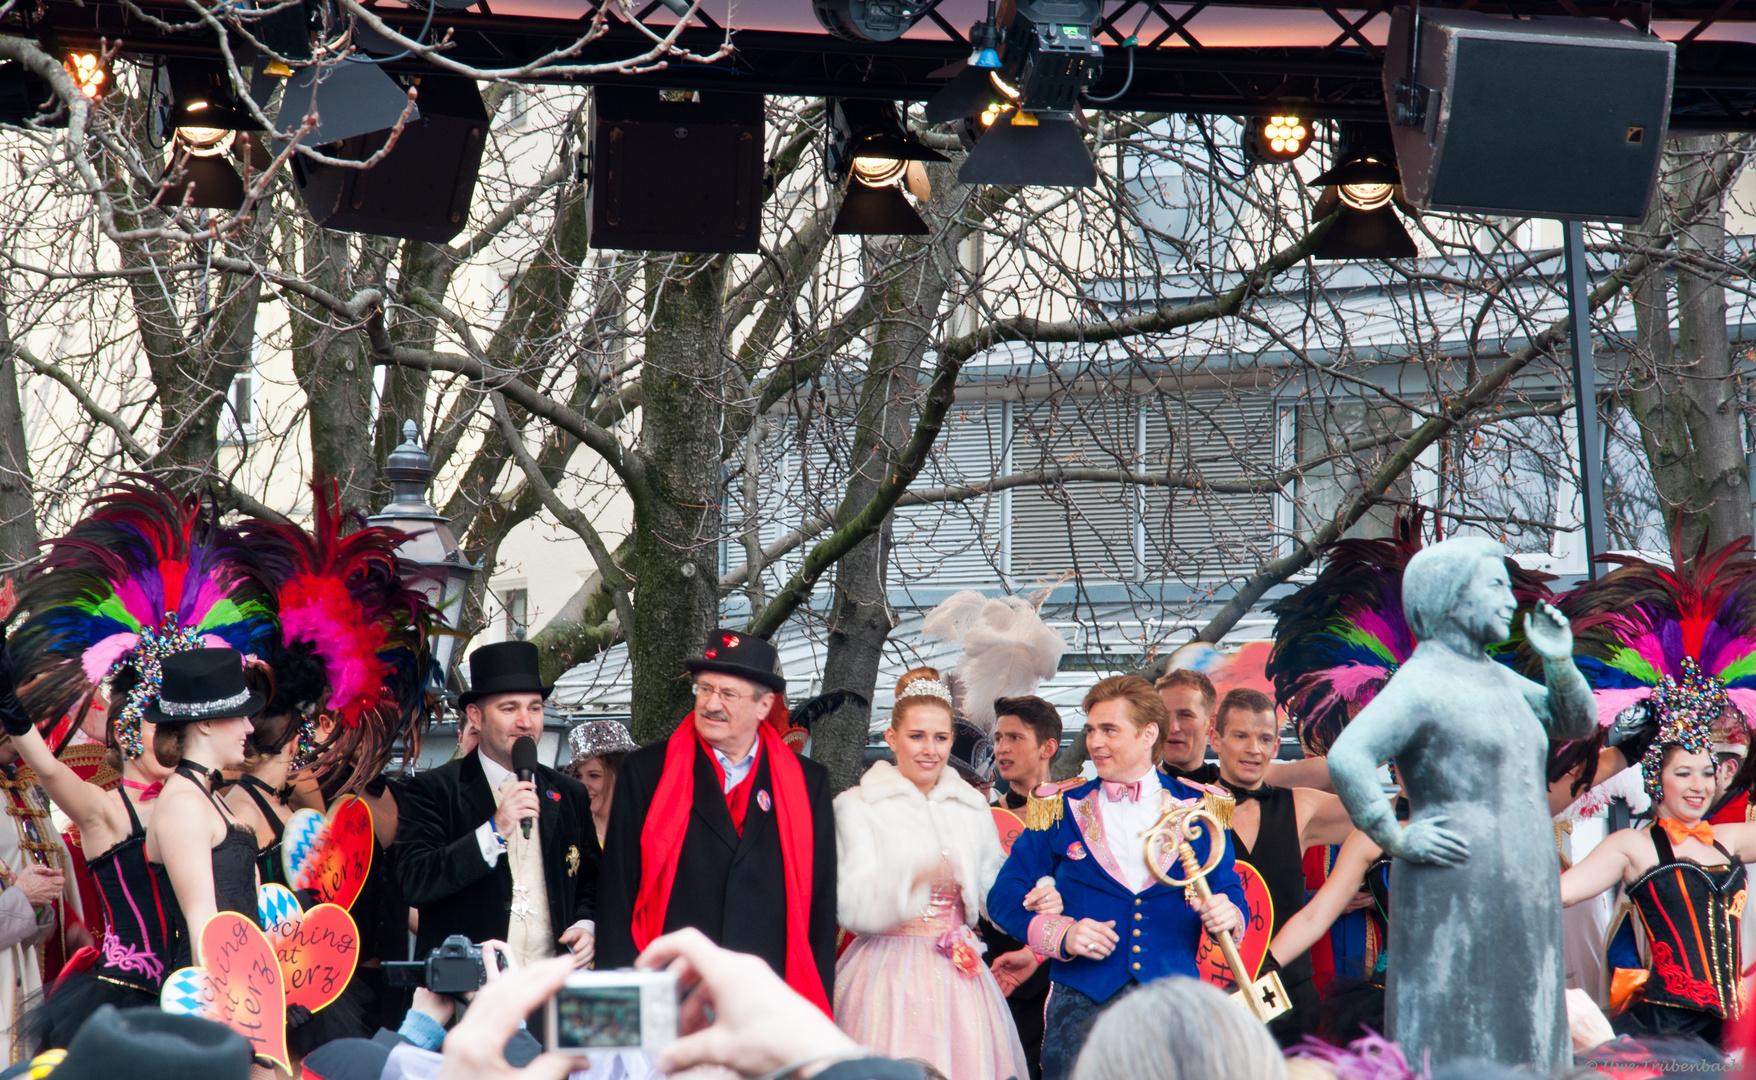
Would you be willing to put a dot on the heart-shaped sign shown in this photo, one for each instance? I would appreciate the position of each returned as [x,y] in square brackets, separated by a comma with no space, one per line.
[239,985]
[1212,963]
[317,959]
[279,911]
[330,858]
[1011,826]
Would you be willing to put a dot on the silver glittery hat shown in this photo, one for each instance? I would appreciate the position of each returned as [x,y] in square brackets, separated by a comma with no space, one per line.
[595,738]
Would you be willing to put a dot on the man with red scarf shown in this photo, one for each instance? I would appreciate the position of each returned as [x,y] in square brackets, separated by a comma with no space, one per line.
[723,828]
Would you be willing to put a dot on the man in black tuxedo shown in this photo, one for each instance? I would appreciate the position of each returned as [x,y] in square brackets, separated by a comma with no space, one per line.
[729,818]
[461,854]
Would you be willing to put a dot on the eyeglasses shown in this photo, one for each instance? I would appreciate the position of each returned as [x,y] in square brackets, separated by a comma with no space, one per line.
[726,697]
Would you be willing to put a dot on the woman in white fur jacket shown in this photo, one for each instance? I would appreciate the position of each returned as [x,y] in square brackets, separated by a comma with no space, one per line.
[916,850]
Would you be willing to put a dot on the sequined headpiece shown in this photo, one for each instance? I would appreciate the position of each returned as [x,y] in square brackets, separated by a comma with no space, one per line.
[595,738]
[145,574]
[1679,641]
[1686,709]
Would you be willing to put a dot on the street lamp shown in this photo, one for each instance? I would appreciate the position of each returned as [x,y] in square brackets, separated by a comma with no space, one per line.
[430,556]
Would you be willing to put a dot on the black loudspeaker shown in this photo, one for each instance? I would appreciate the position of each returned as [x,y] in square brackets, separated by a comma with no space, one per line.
[1538,117]
[421,190]
[675,175]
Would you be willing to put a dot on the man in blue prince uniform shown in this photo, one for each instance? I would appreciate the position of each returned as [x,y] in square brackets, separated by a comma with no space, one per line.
[1103,920]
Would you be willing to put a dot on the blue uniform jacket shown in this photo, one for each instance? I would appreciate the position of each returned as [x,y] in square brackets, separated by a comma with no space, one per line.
[1158,928]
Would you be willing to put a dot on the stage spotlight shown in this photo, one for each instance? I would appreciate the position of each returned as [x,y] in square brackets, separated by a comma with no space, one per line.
[1030,150]
[89,71]
[1050,55]
[971,92]
[866,20]
[1276,139]
[869,145]
[199,95]
[1361,189]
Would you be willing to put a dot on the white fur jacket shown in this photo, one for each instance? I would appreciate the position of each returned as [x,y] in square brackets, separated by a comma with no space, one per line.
[886,832]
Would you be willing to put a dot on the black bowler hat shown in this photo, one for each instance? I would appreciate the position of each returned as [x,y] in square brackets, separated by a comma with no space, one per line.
[730,652]
[509,667]
[202,684]
[149,1044]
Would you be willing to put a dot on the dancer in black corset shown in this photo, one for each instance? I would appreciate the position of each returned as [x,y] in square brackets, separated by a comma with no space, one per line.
[194,844]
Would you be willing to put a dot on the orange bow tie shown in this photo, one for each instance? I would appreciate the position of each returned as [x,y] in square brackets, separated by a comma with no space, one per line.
[1677,830]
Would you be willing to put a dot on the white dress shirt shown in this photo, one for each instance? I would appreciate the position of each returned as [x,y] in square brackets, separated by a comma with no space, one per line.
[491,842]
[1126,823]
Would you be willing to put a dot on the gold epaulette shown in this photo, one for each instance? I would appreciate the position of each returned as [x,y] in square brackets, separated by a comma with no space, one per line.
[1042,808]
[1220,804]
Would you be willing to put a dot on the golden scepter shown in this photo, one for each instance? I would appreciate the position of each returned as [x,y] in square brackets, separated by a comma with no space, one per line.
[1176,829]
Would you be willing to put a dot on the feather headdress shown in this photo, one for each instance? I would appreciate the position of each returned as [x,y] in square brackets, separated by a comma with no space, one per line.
[1338,640]
[1007,649]
[1678,641]
[345,605]
[145,574]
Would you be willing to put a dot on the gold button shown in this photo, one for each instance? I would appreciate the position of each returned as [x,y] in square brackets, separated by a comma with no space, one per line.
[1138,916]
[1135,966]
[1136,948]
[1137,901]
[1137,931]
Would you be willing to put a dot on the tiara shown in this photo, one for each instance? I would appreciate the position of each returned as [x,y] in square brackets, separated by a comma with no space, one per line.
[926,688]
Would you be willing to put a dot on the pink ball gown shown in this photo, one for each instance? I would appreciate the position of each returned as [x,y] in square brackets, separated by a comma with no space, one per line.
[922,990]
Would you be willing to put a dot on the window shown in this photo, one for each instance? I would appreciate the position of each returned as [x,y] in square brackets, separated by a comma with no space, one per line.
[237,426]
[516,603]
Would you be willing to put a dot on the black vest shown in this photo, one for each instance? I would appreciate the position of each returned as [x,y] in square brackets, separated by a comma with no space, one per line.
[1280,860]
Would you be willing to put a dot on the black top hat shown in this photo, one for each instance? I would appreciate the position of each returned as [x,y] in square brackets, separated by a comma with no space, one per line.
[149,1044]
[509,667]
[744,655]
[202,684]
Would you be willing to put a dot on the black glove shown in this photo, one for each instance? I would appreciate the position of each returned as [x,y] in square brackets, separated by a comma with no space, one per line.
[12,715]
[1633,731]
[297,1017]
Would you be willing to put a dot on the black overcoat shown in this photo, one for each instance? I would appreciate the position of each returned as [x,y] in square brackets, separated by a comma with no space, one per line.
[440,866]
[730,887]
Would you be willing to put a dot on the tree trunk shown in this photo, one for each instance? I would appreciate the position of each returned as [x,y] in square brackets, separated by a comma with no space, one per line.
[861,619]
[675,564]
[18,519]
[1686,396]
[332,368]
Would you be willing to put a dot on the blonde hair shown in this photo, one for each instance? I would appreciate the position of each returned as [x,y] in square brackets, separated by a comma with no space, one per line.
[1144,705]
[905,702]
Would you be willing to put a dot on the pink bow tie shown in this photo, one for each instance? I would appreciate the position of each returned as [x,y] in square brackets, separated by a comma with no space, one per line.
[1116,792]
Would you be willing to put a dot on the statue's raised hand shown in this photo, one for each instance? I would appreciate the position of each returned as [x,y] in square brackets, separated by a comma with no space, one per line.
[1549,632]
[1424,841]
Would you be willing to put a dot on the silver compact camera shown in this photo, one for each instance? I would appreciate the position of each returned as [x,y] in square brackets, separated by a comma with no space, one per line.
[613,1010]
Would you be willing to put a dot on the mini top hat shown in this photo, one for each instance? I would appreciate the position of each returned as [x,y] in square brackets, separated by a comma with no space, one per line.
[509,667]
[149,1044]
[202,684]
[595,738]
[744,655]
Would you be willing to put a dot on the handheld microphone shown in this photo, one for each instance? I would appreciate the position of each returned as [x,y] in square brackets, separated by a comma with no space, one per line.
[524,763]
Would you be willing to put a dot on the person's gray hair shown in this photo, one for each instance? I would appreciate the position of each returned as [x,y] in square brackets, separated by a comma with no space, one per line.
[1179,1028]
[1435,576]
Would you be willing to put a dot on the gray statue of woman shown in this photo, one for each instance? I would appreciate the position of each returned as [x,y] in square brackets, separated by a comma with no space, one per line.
[1475,964]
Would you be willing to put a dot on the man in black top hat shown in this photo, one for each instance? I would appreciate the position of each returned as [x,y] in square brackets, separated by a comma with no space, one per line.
[462,855]
[723,828]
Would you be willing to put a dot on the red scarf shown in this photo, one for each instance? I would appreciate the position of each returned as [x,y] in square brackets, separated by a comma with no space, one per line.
[667,821]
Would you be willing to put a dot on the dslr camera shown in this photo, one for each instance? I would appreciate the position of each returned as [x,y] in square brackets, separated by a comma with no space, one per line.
[455,966]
